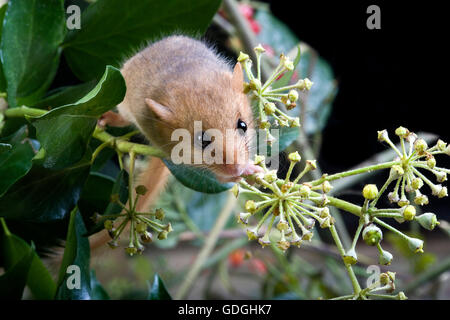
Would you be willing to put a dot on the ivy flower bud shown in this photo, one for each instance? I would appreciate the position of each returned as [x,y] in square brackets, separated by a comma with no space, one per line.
[409,212]
[242,57]
[293,95]
[372,235]
[385,258]
[269,108]
[396,171]
[131,250]
[309,223]
[264,241]
[271,176]
[447,150]
[304,84]
[291,106]
[307,235]
[417,183]
[402,132]
[147,237]
[282,225]
[421,199]
[443,193]
[420,145]
[326,222]
[431,162]
[427,220]
[383,135]
[324,212]
[259,160]
[311,164]
[252,234]
[294,122]
[259,49]
[440,176]
[350,256]
[288,64]
[326,187]
[264,124]
[304,191]
[141,227]
[255,84]
[141,190]
[250,206]
[393,197]
[294,157]
[162,235]
[243,217]
[436,189]
[109,225]
[113,244]
[270,139]
[370,191]
[235,190]
[403,201]
[384,279]
[415,245]
[401,296]
[441,145]
[286,187]
[296,241]
[159,214]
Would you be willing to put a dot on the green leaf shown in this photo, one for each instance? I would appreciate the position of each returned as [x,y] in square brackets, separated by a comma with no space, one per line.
[103,187]
[39,279]
[113,29]
[13,282]
[44,194]
[203,209]
[66,95]
[31,35]
[15,160]
[74,124]
[77,253]
[2,76]
[158,290]
[97,291]
[285,137]
[197,179]
[5,147]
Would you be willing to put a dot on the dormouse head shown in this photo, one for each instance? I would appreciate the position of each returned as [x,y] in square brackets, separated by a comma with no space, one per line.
[209,121]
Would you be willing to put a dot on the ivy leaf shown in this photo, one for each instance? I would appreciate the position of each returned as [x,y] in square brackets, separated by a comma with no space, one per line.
[158,290]
[66,95]
[45,194]
[2,76]
[29,48]
[13,282]
[15,160]
[203,209]
[74,124]
[197,179]
[39,279]
[108,35]
[97,291]
[76,254]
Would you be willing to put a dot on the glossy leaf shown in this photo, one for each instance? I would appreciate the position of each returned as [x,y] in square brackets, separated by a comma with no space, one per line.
[197,179]
[45,194]
[31,35]
[39,279]
[66,95]
[15,160]
[2,76]
[204,209]
[13,281]
[74,124]
[107,35]
[97,291]
[158,290]
[76,253]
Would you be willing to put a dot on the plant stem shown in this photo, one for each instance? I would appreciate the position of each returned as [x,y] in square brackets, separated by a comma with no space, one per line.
[207,247]
[348,266]
[5,227]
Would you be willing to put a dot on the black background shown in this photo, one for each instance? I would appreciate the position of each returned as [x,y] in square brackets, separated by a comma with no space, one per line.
[389,77]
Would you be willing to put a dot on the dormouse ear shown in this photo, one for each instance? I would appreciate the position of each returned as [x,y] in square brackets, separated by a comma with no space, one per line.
[159,110]
[238,78]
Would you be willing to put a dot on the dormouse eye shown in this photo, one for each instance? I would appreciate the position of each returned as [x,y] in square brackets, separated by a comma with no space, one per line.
[241,125]
[202,139]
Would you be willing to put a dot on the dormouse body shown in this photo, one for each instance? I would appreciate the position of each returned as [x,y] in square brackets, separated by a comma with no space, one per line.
[179,80]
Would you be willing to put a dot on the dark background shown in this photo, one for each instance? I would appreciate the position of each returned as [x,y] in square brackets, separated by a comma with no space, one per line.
[387,78]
